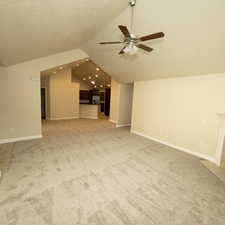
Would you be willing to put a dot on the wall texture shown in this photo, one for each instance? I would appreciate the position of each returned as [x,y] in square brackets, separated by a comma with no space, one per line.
[64,96]
[20,114]
[19,106]
[121,103]
[125,104]
[114,102]
[181,111]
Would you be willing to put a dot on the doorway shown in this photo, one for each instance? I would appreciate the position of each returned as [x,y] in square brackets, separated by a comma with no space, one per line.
[43,104]
[107,101]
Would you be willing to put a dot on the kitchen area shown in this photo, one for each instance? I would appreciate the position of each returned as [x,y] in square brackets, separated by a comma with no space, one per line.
[95,104]
[95,90]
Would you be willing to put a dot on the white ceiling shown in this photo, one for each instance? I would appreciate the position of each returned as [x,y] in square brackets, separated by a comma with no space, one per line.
[194,42]
[84,68]
[33,28]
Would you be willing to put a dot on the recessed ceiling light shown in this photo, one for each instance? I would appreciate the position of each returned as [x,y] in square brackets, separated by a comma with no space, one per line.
[84,78]
[60,67]
[87,60]
[89,78]
[95,86]
[109,85]
[54,72]
[101,86]
[96,75]
[93,82]
[97,69]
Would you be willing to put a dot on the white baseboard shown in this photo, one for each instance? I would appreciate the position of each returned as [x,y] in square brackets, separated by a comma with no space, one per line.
[123,125]
[65,118]
[220,147]
[10,140]
[112,121]
[89,117]
[199,155]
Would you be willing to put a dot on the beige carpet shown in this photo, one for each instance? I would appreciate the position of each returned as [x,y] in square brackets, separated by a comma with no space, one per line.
[223,157]
[86,172]
[218,171]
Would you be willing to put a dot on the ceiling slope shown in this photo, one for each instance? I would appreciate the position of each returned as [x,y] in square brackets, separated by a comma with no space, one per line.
[33,29]
[194,42]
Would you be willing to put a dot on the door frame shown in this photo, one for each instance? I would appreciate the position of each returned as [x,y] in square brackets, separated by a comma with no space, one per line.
[220,146]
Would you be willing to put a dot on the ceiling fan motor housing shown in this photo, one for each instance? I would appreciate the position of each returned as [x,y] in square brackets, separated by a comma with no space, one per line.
[132,3]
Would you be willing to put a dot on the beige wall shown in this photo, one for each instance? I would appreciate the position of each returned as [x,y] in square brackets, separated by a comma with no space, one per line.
[64,96]
[83,85]
[181,111]
[125,104]
[114,102]
[121,103]
[20,114]
[19,106]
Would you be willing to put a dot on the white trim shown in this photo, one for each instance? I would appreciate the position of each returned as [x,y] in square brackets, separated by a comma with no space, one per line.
[123,125]
[199,155]
[89,117]
[112,121]
[65,118]
[9,140]
[220,143]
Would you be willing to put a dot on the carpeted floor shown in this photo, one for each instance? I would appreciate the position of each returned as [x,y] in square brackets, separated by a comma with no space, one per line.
[218,171]
[223,157]
[86,172]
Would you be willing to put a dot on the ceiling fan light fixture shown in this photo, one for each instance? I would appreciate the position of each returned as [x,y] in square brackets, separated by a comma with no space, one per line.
[131,49]
[132,42]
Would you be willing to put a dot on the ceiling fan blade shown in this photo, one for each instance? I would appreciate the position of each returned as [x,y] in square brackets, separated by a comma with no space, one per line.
[144,47]
[152,36]
[112,42]
[122,51]
[125,31]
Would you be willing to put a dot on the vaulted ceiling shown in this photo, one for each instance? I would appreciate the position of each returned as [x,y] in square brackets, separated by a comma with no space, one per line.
[194,43]
[91,74]
[32,29]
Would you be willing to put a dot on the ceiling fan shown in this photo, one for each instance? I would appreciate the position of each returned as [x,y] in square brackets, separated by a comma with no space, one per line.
[131,41]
